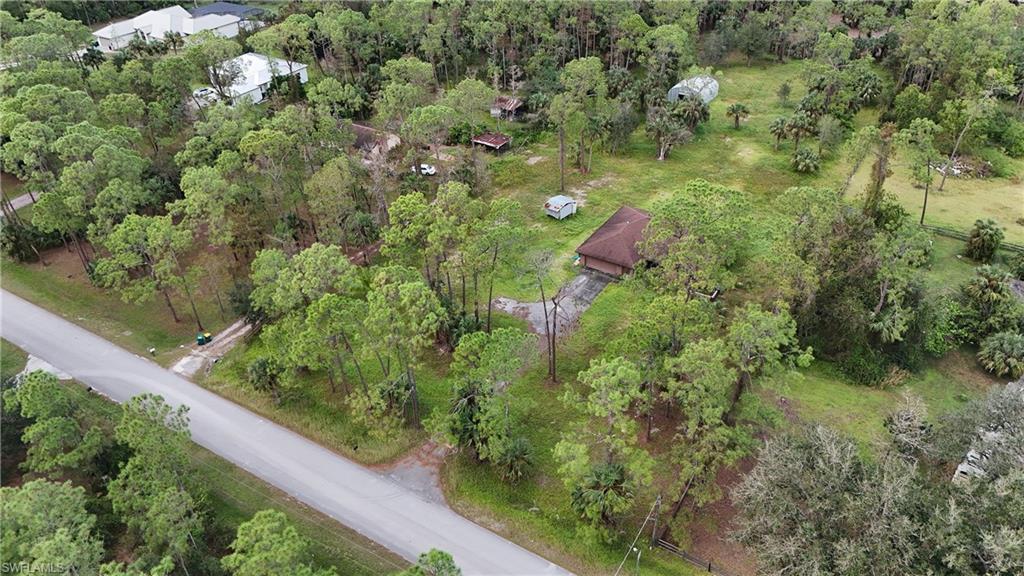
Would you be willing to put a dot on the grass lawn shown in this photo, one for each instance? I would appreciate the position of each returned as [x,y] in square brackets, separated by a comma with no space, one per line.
[962,201]
[63,288]
[12,360]
[820,394]
[234,496]
[744,159]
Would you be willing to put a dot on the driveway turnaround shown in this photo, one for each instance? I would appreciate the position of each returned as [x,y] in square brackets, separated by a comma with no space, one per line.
[576,296]
[370,503]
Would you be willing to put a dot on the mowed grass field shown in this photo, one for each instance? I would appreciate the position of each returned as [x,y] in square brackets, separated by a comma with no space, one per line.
[962,201]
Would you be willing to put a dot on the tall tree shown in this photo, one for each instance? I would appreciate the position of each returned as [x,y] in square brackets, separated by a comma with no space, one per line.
[156,492]
[214,54]
[667,126]
[599,459]
[813,506]
[48,524]
[919,142]
[268,544]
[58,441]
[146,257]
[404,315]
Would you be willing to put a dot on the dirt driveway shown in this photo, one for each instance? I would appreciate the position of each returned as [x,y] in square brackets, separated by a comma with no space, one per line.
[577,296]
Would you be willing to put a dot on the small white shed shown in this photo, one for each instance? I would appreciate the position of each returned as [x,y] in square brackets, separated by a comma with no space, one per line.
[560,207]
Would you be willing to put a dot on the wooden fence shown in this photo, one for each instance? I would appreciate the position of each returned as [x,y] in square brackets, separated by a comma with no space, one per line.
[705,565]
[959,235]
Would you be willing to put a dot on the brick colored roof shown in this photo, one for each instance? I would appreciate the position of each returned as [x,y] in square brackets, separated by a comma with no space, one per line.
[492,139]
[615,241]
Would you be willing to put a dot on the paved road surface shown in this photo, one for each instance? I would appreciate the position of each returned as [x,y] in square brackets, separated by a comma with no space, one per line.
[21,201]
[364,500]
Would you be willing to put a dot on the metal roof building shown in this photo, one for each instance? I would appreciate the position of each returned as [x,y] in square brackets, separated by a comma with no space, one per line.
[704,87]
[226,8]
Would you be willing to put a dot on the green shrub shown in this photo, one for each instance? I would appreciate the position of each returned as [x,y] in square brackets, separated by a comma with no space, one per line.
[1012,138]
[1000,164]
[1015,264]
[264,375]
[806,161]
[984,240]
[942,333]
[1003,354]
[988,304]
[865,365]
[514,459]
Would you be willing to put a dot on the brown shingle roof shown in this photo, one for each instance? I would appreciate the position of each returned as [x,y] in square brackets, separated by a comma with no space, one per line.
[615,241]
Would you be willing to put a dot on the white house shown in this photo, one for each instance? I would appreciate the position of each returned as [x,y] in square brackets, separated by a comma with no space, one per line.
[258,71]
[155,24]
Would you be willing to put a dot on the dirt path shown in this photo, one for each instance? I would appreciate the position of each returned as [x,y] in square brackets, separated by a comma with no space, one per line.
[202,358]
[420,471]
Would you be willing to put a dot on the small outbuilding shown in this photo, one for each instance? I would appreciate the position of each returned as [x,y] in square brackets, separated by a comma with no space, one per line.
[493,140]
[507,108]
[704,87]
[612,247]
[560,207]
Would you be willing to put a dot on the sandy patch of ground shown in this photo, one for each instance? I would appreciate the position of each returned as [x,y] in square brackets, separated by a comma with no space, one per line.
[748,153]
[34,363]
[709,531]
[579,193]
[202,358]
[420,471]
[534,160]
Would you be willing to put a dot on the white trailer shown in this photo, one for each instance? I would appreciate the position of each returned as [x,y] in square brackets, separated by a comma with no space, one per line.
[560,207]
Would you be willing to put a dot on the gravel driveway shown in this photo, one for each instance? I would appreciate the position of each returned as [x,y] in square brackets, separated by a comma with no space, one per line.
[578,295]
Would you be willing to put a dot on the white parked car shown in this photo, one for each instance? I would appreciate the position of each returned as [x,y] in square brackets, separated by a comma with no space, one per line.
[205,96]
[425,170]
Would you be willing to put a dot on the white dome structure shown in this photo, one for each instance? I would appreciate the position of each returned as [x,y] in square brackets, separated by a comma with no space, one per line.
[704,87]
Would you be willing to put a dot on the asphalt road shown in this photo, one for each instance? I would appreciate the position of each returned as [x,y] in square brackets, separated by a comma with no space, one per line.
[359,498]
[21,201]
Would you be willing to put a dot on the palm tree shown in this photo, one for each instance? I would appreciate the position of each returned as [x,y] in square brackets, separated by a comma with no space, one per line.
[798,125]
[778,128]
[693,111]
[174,40]
[737,111]
[92,57]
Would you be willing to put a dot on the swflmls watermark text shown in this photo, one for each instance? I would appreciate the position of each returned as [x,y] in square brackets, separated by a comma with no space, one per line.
[27,568]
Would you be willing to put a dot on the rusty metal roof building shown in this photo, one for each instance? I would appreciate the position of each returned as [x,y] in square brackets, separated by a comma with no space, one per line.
[492,140]
[507,103]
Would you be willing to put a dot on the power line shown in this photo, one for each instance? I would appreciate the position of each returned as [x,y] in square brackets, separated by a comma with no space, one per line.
[632,547]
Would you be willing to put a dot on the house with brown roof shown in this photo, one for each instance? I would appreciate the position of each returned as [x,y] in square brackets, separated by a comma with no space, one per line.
[492,140]
[612,247]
